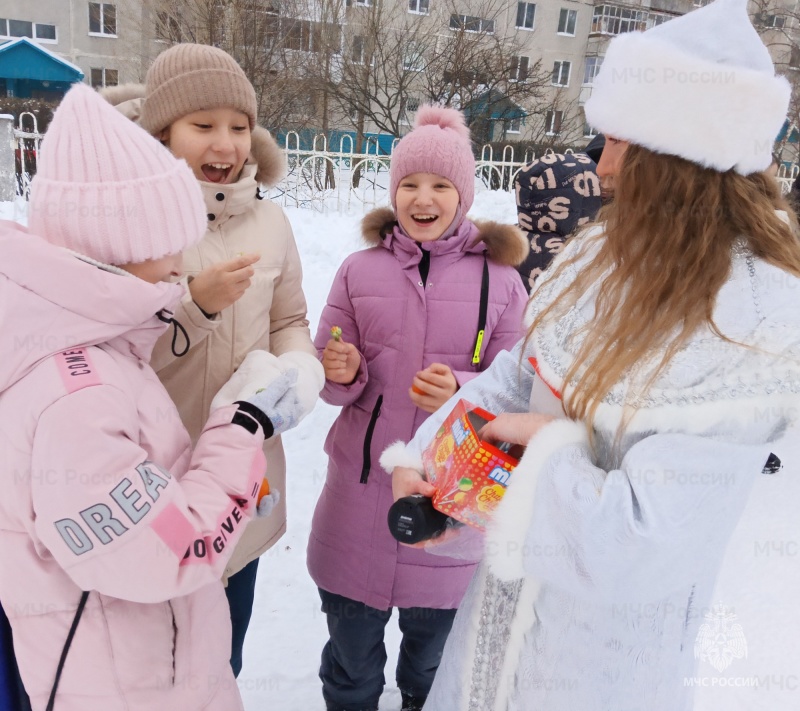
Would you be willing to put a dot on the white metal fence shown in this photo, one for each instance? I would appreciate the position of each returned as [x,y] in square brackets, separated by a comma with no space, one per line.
[324,179]
[787,174]
[28,140]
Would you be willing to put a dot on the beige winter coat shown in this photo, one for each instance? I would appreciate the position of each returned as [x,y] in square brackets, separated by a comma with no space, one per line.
[271,315]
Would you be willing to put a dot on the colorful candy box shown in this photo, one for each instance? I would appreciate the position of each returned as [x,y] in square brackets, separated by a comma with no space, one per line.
[470,475]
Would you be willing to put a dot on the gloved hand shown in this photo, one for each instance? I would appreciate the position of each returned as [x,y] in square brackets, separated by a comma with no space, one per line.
[279,402]
[258,370]
[268,503]
[310,377]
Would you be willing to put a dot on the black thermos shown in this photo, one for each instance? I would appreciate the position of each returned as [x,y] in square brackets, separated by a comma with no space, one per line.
[413,519]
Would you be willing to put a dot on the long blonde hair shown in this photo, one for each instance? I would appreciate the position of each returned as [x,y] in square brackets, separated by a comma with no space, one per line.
[666,252]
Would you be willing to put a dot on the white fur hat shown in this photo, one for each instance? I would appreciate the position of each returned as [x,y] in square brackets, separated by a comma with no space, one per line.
[701,87]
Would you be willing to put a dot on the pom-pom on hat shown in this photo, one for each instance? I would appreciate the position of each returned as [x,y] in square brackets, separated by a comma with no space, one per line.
[194,77]
[701,87]
[109,190]
[439,143]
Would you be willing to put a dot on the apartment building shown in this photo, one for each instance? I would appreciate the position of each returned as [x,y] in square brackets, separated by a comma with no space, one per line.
[535,90]
[104,39]
[553,48]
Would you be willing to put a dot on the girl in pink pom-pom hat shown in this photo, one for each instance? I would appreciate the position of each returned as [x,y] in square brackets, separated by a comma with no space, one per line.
[409,309]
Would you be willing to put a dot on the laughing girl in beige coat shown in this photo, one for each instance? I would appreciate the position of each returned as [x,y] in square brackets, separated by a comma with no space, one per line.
[244,277]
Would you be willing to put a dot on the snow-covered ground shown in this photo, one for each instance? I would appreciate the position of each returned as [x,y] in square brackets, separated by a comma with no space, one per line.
[287,632]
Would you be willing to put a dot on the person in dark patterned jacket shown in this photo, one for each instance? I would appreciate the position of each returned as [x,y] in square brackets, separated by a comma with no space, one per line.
[555,195]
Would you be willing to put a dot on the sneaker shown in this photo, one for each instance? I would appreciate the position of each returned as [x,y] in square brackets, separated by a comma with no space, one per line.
[412,703]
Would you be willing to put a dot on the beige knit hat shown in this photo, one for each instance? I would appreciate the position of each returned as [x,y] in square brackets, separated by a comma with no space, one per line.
[193,77]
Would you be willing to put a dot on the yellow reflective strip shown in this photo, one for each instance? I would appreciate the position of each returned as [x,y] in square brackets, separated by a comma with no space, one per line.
[476,356]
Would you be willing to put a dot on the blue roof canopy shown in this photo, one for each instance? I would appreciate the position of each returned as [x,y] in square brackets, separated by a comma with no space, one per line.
[502,108]
[24,59]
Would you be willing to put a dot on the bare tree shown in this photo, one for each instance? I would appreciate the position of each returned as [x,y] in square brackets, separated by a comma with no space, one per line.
[267,38]
[367,64]
[778,23]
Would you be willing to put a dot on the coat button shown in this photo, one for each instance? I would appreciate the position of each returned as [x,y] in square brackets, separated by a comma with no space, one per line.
[220,196]
[419,283]
[211,217]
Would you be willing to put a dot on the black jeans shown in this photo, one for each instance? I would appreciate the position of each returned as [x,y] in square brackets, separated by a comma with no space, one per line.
[355,656]
[240,593]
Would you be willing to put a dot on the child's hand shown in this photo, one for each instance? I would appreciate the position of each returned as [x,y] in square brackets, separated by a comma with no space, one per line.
[279,402]
[516,428]
[341,361]
[407,481]
[223,284]
[433,387]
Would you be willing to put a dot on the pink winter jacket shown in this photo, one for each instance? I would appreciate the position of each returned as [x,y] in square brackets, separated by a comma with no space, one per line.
[100,491]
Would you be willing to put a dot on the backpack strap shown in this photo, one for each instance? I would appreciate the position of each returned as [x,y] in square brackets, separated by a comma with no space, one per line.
[484,307]
[75,620]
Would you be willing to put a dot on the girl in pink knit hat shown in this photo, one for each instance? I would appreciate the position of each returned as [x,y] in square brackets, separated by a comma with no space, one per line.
[114,533]
[422,310]
[244,279]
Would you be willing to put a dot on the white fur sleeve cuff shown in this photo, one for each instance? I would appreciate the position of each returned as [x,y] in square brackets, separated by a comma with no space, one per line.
[400,455]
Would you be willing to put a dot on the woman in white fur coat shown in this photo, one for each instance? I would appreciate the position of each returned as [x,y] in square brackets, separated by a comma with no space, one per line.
[626,568]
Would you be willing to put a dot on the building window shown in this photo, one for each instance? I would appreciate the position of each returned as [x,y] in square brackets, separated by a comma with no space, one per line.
[794,57]
[514,125]
[552,122]
[655,19]
[409,106]
[294,34]
[561,71]
[519,68]
[413,59]
[360,51]
[359,3]
[45,33]
[357,52]
[299,35]
[615,20]
[701,3]
[420,7]
[588,131]
[566,22]
[526,12]
[471,24]
[101,77]
[102,19]
[777,22]
[593,65]
[21,28]
[168,28]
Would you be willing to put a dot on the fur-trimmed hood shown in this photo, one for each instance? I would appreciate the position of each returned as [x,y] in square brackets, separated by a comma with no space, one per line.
[265,153]
[505,244]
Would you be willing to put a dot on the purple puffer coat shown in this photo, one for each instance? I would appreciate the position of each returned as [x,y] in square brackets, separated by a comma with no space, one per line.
[400,327]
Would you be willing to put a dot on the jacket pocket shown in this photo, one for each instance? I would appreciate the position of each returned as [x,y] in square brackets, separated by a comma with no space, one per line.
[142,639]
[376,413]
